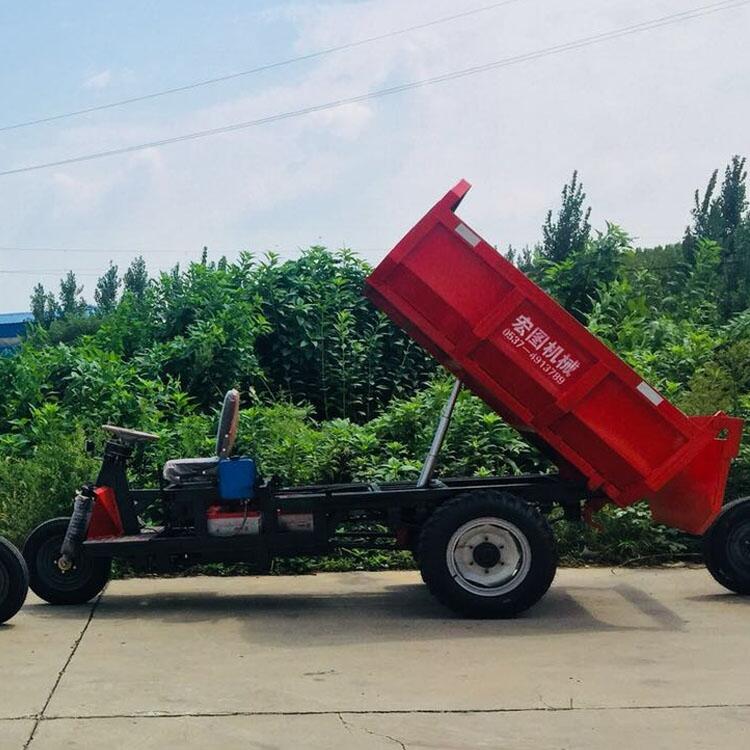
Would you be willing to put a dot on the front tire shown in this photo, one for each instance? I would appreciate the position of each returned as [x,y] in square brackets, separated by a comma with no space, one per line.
[81,583]
[726,547]
[487,554]
[14,580]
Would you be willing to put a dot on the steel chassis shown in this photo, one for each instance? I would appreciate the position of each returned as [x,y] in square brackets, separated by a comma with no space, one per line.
[400,506]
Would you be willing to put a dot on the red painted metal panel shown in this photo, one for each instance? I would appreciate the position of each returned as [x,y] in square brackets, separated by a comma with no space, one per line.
[547,375]
[105,520]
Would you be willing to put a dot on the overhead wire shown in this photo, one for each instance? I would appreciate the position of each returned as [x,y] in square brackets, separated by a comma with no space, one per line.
[49,272]
[643,26]
[97,250]
[154,251]
[260,68]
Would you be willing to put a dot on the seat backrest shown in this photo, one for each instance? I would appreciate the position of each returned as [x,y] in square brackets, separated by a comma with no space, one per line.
[227,432]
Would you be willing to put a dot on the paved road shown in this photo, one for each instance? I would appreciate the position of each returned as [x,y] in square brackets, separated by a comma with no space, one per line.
[610,659]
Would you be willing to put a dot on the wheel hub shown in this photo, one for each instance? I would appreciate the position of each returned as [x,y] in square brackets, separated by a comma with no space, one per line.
[57,570]
[488,556]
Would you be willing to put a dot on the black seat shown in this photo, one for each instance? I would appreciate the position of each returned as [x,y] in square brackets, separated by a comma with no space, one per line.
[180,470]
[187,470]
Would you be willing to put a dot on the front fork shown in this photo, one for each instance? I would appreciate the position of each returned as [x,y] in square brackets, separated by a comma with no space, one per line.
[83,506]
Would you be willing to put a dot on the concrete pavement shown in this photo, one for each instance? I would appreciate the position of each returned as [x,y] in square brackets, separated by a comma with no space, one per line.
[609,659]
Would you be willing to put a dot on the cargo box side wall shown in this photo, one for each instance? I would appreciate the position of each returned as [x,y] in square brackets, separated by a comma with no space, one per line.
[531,361]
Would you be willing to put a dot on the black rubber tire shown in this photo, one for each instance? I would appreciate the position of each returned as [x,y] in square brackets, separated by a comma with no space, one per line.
[726,546]
[448,518]
[82,583]
[14,580]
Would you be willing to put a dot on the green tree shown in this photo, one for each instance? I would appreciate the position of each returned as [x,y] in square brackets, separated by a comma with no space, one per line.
[735,260]
[71,302]
[522,259]
[44,306]
[570,264]
[577,281]
[105,293]
[706,211]
[733,198]
[722,217]
[570,231]
[135,280]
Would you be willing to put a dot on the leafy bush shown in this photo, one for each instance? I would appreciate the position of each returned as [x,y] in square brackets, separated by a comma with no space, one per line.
[325,344]
[41,484]
[622,536]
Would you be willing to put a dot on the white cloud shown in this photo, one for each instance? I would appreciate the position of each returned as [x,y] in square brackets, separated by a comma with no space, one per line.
[635,116]
[98,81]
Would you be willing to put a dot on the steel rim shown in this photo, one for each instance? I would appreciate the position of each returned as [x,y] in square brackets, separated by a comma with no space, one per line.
[488,556]
[4,582]
[738,548]
[49,571]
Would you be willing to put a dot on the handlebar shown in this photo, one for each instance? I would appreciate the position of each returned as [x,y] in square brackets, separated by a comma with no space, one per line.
[129,436]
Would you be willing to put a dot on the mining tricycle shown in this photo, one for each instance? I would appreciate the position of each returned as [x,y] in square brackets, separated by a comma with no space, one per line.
[484,545]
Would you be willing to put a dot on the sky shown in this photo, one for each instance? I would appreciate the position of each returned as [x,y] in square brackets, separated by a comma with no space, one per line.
[644,119]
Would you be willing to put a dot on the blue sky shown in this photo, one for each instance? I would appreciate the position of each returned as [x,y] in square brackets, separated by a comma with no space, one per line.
[644,119]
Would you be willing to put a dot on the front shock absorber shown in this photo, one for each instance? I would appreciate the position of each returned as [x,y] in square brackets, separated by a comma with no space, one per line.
[83,506]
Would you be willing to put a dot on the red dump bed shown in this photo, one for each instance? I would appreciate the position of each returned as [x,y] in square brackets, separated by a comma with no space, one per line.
[537,366]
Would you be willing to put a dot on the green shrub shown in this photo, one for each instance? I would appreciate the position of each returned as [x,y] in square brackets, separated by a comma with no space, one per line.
[42,484]
[624,536]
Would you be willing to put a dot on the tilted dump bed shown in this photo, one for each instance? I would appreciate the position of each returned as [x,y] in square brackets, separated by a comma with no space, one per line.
[548,376]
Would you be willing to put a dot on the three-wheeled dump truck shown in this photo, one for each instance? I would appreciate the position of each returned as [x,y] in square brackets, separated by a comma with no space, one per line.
[14,580]
[484,545]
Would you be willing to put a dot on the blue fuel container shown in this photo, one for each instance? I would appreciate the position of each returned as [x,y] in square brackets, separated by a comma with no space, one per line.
[237,478]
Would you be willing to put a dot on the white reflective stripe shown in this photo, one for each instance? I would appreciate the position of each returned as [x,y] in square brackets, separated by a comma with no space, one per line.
[463,231]
[649,393]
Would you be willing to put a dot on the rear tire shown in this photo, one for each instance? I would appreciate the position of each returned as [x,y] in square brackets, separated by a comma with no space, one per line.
[14,580]
[87,577]
[487,554]
[726,546]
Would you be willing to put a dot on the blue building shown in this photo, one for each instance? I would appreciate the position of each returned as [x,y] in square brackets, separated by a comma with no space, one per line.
[12,326]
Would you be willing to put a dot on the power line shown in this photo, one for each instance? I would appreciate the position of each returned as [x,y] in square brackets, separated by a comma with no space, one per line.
[50,272]
[147,251]
[97,250]
[505,62]
[260,68]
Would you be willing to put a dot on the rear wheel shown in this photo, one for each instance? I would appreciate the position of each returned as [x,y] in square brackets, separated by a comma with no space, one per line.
[14,580]
[56,583]
[726,546]
[487,554]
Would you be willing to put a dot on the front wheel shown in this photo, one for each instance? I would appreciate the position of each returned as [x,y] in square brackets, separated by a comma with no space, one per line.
[487,554]
[726,546]
[55,583]
[14,580]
